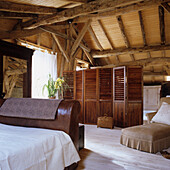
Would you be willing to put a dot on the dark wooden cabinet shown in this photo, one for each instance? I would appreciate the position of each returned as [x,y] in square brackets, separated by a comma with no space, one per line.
[127,96]
[116,92]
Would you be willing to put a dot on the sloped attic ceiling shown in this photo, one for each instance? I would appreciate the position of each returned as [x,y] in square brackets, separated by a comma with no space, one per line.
[103,32]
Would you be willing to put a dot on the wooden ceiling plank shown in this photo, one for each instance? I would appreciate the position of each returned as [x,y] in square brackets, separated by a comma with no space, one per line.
[162,24]
[60,47]
[80,37]
[91,7]
[25,8]
[107,53]
[166,6]
[14,15]
[92,33]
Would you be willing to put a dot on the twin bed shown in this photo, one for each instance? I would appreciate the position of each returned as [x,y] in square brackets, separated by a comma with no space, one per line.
[39,143]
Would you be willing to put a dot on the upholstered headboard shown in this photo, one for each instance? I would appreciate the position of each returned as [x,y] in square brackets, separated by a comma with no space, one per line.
[66,120]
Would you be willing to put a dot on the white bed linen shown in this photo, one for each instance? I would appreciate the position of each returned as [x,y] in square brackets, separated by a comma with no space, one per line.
[35,149]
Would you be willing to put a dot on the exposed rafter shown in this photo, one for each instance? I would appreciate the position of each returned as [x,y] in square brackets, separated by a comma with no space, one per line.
[125,38]
[92,33]
[80,37]
[60,47]
[105,33]
[166,6]
[57,33]
[142,27]
[162,24]
[25,8]
[121,26]
[107,53]
[88,55]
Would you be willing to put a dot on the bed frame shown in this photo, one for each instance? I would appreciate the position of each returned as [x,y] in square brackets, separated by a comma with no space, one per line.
[66,120]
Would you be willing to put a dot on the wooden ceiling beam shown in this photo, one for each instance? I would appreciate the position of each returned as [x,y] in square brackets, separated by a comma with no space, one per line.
[93,35]
[142,62]
[151,73]
[91,7]
[162,24]
[166,6]
[14,15]
[61,47]
[25,8]
[118,11]
[26,33]
[19,33]
[80,37]
[107,53]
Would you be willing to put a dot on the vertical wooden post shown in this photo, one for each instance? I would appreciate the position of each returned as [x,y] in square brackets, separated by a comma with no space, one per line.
[1,74]
[29,76]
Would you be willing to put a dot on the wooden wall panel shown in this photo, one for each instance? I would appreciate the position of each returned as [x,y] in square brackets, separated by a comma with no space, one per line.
[90,84]
[105,83]
[119,113]
[90,96]
[90,112]
[128,96]
[135,114]
[79,93]
[106,108]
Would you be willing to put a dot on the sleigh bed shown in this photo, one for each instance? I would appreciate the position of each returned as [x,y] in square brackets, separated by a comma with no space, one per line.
[38,143]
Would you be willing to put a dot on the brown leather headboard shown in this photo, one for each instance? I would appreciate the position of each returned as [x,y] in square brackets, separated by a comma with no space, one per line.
[66,120]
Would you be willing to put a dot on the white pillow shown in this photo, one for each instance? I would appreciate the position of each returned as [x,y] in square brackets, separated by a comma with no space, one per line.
[163,114]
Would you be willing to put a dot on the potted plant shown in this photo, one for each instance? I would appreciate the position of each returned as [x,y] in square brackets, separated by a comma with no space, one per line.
[61,85]
[51,88]
[55,86]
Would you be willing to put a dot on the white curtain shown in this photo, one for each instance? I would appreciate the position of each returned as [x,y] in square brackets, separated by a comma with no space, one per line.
[43,64]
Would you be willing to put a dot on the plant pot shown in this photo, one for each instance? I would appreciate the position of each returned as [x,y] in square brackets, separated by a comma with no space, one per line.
[52,97]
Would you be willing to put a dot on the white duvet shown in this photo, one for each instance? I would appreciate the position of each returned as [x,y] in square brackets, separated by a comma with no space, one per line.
[35,149]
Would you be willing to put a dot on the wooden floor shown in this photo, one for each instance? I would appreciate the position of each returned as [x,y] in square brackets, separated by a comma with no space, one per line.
[104,152]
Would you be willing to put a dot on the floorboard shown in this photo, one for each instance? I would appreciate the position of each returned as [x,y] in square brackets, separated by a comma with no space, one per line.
[103,151]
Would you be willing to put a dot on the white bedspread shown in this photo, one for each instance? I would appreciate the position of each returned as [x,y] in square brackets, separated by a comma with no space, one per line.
[35,149]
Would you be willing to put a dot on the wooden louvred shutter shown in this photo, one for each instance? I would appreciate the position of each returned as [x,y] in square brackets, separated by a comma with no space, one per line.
[105,83]
[119,83]
[134,84]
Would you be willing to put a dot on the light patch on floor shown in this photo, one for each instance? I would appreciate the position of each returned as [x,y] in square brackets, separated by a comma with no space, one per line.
[103,151]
